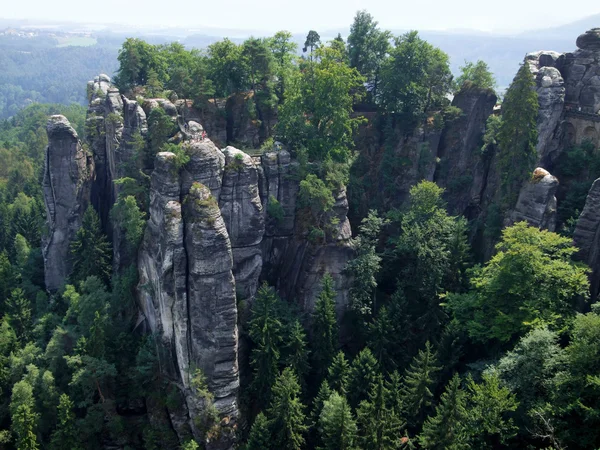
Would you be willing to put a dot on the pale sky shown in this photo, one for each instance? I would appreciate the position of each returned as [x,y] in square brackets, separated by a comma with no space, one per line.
[301,15]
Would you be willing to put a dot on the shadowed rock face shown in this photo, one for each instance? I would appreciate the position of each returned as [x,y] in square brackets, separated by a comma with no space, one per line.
[587,236]
[537,201]
[68,173]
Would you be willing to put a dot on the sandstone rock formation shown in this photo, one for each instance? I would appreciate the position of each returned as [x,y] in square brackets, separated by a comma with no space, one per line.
[587,237]
[68,172]
[537,201]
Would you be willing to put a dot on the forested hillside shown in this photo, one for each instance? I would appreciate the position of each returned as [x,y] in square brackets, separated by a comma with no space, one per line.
[243,248]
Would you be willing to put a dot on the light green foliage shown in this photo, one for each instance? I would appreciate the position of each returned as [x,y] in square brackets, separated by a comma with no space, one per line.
[160,129]
[417,386]
[190,445]
[365,266]
[489,409]
[530,281]
[140,63]
[316,113]
[260,435]
[415,78]
[227,68]
[22,250]
[317,197]
[368,47]
[127,214]
[286,413]
[283,49]
[65,435]
[317,403]
[490,137]
[90,250]
[475,74]
[23,416]
[337,425]
[518,134]
[446,429]
[379,422]
[324,327]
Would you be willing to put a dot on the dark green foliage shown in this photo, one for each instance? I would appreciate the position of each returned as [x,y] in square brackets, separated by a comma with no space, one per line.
[324,328]
[363,373]
[286,413]
[518,134]
[90,250]
[65,435]
[446,429]
[418,386]
[260,435]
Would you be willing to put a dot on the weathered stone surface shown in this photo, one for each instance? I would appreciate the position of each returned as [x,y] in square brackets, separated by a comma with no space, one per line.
[68,172]
[587,236]
[461,169]
[551,98]
[206,166]
[537,201]
[590,40]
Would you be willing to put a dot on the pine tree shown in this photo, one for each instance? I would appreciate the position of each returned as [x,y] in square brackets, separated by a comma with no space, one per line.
[417,386]
[518,134]
[380,425]
[260,436]
[19,315]
[325,328]
[90,250]
[338,373]
[337,425]
[286,413]
[65,435]
[381,339]
[363,374]
[265,330]
[23,416]
[446,430]
[297,354]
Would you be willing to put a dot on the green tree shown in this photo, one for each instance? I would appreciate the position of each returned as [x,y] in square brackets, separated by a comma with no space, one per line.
[363,374]
[297,353]
[446,429]
[379,423]
[19,315]
[265,330]
[337,425]
[283,50]
[65,435]
[475,74]
[518,134]
[90,250]
[23,416]
[313,40]
[286,413]
[489,409]
[227,67]
[368,47]
[160,129]
[531,280]
[365,266]
[419,380]
[324,328]
[127,214]
[339,373]
[260,435]
[415,78]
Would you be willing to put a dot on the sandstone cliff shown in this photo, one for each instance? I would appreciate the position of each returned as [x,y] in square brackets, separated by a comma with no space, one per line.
[68,173]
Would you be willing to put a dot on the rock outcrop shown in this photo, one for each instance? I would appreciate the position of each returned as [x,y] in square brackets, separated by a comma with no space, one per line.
[68,173]
[461,170]
[587,237]
[537,201]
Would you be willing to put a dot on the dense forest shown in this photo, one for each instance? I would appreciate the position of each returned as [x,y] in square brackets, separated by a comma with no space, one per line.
[460,331]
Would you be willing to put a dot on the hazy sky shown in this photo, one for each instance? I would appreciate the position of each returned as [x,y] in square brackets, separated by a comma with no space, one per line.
[300,15]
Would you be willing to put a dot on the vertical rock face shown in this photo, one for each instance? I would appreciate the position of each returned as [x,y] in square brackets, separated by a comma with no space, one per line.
[587,236]
[242,211]
[461,169]
[112,122]
[551,99]
[537,201]
[68,172]
[187,289]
